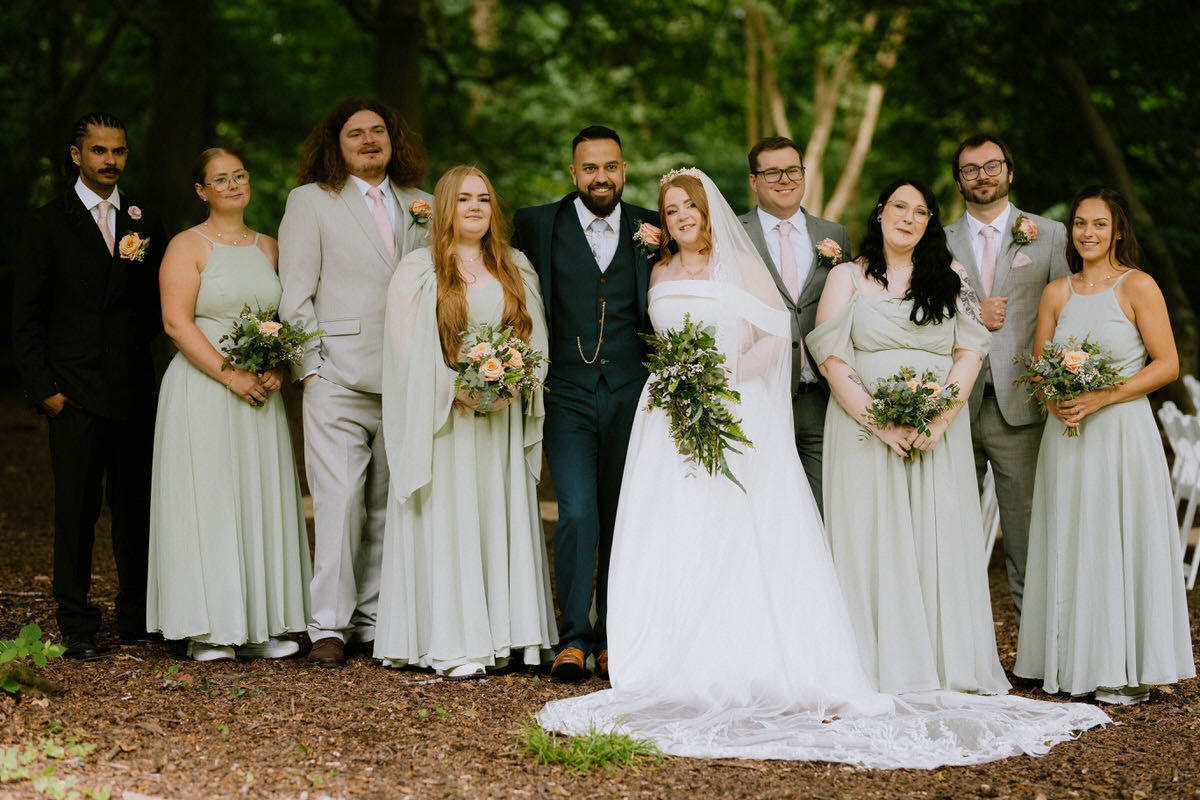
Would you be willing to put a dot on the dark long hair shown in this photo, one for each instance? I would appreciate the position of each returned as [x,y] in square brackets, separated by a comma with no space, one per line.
[1124,245]
[321,160]
[935,285]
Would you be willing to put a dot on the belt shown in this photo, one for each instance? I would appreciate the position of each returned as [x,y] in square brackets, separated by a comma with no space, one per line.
[989,390]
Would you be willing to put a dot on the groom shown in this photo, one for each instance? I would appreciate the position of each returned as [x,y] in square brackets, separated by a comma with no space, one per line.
[594,281]
[1010,256]
[786,237]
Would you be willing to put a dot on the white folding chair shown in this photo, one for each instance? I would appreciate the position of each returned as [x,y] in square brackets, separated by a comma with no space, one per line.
[1187,490]
[1193,387]
[991,513]
[1171,419]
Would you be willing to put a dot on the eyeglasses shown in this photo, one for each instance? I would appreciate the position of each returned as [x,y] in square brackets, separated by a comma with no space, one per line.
[920,213]
[222,183]
[970,172]
[774,175]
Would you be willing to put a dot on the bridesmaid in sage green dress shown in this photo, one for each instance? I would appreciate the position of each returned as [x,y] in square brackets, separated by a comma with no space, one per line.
[229,560]
[901,508]
[465,585]
[1105,608]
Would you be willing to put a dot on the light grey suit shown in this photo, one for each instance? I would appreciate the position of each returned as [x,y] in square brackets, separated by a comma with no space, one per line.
[335,271]
[808,407]
[1005,429]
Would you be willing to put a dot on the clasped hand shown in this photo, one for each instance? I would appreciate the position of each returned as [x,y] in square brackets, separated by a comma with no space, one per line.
[994,310]
[903,439]
[254,389]
[1071,411]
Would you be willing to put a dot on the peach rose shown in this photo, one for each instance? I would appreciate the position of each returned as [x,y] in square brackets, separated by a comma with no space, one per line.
[270,328]
[421,211]
[913,385]
[132,247]
[829,248]
[481,351]
[492,369]
[650,234]
[1074,359]
[514,358]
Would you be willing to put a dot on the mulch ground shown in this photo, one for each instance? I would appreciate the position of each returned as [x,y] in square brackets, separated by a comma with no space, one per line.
[284,729]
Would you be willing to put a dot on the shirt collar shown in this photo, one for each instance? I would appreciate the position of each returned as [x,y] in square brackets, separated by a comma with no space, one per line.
[90,199]
[1000,223]
[769,221]
[586,217]
[365,187]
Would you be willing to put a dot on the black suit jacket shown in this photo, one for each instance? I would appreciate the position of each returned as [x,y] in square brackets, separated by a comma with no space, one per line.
[533,235]
[83,320]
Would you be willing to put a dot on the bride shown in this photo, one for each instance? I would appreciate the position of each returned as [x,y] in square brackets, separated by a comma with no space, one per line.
[728,633]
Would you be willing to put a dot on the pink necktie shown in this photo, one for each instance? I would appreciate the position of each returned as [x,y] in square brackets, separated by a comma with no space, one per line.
[381,219]
[987,268]
[787,261]
[103,223]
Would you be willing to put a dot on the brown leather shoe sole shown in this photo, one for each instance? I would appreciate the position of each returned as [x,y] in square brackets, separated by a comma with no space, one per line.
[328,652]
[602,664]
[568,665]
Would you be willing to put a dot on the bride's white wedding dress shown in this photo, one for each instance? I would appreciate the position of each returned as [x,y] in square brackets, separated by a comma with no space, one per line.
[728,632]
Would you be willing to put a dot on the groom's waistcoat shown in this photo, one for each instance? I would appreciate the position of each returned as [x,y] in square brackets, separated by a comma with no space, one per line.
[583,295]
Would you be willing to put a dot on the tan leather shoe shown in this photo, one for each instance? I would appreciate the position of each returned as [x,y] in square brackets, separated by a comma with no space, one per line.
[568,665]
[328,652]
[602,664]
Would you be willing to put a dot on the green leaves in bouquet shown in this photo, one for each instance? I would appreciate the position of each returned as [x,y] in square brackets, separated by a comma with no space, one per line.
[690,382]
[905,399]
[517,362]
[260,342]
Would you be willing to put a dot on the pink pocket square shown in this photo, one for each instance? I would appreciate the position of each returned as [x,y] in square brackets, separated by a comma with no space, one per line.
[1021,260]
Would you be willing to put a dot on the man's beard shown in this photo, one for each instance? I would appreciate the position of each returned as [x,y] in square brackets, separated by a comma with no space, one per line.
[976,193]
[601,209]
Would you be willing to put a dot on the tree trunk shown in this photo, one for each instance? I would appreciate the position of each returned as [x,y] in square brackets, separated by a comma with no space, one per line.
[398,32]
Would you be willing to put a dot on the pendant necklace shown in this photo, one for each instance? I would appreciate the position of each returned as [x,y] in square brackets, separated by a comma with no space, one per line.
[221,236]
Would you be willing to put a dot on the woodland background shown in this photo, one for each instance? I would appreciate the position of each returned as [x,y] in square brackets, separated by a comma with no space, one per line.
[1084,91]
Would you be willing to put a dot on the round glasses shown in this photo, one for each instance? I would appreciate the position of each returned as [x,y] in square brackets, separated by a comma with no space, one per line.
[992,168]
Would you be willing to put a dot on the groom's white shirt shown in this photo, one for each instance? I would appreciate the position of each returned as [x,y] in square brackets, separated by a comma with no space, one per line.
[607,240]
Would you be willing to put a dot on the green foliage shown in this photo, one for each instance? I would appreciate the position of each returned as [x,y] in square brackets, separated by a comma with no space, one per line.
[38,763]
[260,342]
[28,646]
[580,754]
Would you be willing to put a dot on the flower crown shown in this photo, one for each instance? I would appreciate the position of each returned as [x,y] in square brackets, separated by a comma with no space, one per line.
[695,173]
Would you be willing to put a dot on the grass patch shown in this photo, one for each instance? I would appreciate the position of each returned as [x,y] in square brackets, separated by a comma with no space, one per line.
[580,754]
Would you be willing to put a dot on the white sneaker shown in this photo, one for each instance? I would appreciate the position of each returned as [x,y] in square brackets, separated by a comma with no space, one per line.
[199,651]
[463,672]
[271,648]
[1123,696]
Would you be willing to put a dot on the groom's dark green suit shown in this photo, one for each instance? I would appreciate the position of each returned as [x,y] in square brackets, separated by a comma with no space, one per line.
[595,378]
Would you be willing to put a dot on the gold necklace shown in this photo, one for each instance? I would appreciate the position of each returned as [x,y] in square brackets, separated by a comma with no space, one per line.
[1092,284]
[694,273]
[221,236]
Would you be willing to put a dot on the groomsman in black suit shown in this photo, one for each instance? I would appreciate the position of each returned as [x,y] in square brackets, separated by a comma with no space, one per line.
[85,309]
[787,237]
[594,281]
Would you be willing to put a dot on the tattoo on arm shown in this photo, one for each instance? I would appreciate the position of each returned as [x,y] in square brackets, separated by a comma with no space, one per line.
[970,302]
[858,381]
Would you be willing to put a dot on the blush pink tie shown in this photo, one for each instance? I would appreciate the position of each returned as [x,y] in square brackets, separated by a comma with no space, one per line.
[787,261]
[104,208]
[381,220]
[987,267]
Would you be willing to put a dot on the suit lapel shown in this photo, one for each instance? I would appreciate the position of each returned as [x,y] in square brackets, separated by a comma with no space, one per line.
[1007,251]
[958,236]
[356,204]
[120,266]
[641,260]
[811,283]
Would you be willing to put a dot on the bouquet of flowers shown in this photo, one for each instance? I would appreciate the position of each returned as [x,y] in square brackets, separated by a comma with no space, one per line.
[260,342]
[1064,371]
[906,399]
[495,365]
[690,382]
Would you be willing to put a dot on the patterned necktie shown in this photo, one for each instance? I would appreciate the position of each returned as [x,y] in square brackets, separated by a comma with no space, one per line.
[787,261]
[596,237]
[104,208]
[381,219]
[987,266]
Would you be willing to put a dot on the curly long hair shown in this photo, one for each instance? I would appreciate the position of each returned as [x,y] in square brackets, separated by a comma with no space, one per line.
[321,160]
[1124,245]
[935,285]
[695,192]
[451,288]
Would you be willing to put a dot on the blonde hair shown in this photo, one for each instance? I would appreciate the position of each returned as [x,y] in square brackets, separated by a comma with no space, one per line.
[451,288]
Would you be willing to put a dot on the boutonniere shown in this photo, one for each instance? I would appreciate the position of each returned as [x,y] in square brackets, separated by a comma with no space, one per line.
[132,246]
[420,211]
[1024,230]
[134,213]
[829,253]
[647,238]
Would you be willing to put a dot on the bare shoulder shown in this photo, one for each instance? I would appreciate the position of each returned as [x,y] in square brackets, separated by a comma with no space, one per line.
[1057,290]
[269,246]
[1139,285]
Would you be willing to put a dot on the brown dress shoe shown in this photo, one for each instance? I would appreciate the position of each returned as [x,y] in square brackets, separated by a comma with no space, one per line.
[328,652]
[568,665]
[602,664]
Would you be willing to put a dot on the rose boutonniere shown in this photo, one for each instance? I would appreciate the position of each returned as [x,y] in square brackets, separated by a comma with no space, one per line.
[134,212]
[647,238]
[420,211]
[1024,230]
[829,253]
[132,246]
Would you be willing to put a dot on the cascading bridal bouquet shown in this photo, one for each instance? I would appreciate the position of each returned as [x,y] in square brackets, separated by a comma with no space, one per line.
[1064,371]
[494,366]
[905,399]
[689,381]
[259,342]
